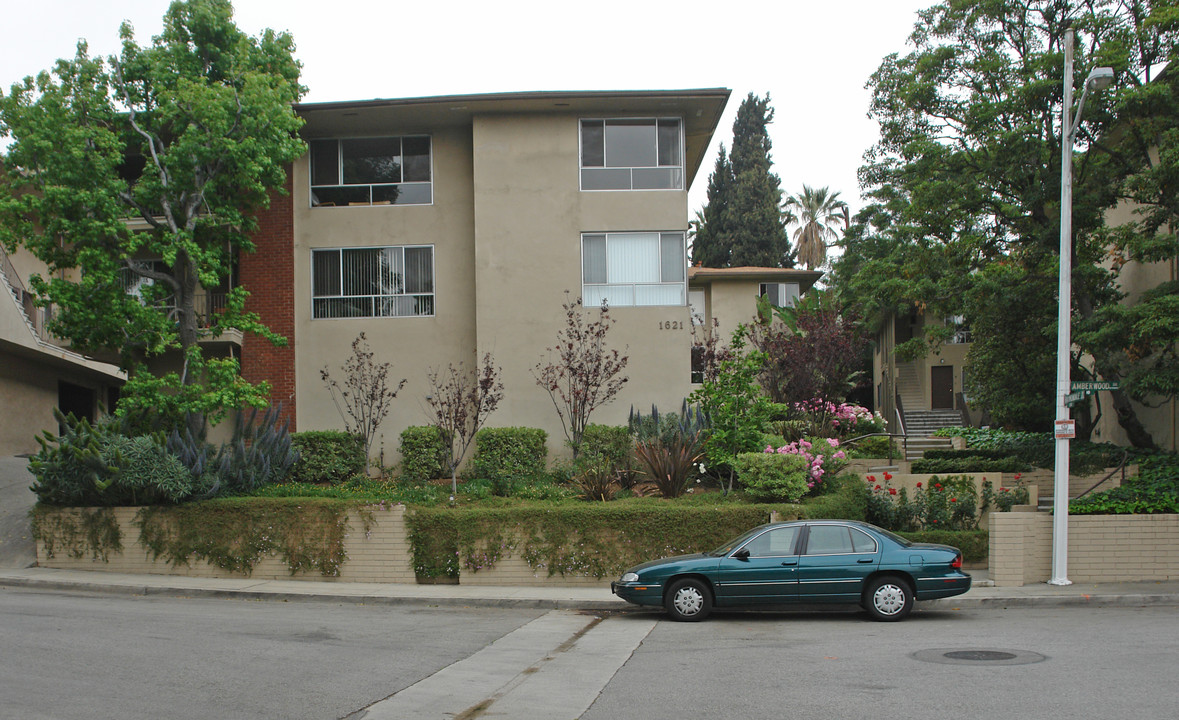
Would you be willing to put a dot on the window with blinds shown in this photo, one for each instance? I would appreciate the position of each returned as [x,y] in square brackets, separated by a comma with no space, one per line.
[373,282]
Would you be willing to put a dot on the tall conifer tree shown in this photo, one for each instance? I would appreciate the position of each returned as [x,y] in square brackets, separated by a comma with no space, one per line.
[742,222]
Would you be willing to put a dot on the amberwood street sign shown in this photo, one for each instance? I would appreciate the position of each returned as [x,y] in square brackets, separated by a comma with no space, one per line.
[1093,385]
[1082,389]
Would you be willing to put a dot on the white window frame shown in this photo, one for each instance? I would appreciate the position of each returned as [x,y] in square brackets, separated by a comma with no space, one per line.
[375,299]
[340,172]
[791,298]
[591,297]
[581,167]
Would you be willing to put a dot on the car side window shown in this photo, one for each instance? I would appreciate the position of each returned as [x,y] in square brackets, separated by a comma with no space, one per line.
[829,540]
[862,542]
[773,543]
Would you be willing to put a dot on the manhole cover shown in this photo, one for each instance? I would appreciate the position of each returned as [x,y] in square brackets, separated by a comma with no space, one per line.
[989,655]
[978,656]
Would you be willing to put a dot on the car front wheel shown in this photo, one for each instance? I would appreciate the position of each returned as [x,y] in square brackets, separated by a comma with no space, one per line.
[888,599]
[688,600]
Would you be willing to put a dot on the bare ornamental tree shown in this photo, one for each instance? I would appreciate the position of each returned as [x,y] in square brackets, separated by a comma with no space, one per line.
[461,401]
[366,396]
[582,373]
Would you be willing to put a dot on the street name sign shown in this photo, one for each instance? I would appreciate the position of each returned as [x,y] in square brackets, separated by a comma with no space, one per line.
[1093,385]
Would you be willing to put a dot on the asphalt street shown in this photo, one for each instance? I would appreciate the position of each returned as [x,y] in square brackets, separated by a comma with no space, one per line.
[73,655]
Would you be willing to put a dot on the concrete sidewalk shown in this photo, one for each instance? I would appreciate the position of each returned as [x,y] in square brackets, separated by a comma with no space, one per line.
[983,595]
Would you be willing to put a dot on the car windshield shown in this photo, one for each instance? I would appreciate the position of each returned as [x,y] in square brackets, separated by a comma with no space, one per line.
[735,543]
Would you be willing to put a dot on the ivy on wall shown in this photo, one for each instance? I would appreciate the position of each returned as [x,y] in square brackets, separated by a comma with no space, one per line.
[236,533]
[77,532]
[595,540]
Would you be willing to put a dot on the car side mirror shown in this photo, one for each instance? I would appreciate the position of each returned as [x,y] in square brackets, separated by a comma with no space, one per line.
[741,554]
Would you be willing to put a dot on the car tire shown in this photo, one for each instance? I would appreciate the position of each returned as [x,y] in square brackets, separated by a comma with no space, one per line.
[688,600]
[888,599]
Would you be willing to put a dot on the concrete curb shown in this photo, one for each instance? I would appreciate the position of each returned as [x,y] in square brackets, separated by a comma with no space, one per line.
[978,598]
[312,596]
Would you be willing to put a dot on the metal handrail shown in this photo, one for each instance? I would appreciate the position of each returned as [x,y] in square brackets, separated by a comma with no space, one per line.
[904,442]
[1120,467]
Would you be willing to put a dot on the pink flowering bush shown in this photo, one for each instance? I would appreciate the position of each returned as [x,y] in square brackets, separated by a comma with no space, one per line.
[828,419]
[823,458]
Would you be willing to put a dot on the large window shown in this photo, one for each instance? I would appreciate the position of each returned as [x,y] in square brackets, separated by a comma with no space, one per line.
[373,282]
[371,171]
[626,269]
[632,154]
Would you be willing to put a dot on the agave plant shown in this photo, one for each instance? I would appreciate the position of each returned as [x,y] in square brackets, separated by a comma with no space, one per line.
[670,446]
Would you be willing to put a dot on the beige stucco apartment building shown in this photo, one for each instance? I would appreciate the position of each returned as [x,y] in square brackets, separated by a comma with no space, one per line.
[445,228]
[37,371]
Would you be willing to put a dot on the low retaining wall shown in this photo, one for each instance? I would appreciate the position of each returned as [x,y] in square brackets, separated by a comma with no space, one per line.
[1101,548]
[380,555]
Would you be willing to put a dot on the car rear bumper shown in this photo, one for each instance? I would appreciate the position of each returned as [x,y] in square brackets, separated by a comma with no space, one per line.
[943,587]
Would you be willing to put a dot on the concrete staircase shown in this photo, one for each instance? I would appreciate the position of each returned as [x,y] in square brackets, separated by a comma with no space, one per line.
[11,281]
[909,386]
[920,426]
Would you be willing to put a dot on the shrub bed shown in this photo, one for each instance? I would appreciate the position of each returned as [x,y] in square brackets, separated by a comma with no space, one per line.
[327,456]
[506,454]
[425,453]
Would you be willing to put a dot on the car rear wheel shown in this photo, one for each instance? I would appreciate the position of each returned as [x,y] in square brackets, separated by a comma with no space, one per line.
[888,599]
[688,600]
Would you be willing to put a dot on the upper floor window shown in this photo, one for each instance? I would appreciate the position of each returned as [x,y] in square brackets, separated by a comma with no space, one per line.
[627,269]
[632,154]
[371,171]
[779,294]
[373,282]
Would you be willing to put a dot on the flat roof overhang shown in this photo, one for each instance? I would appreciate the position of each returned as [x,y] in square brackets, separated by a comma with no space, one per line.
[701,110]
[699,276]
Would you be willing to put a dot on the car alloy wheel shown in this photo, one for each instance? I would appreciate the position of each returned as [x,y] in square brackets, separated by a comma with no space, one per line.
[889,598]
[689,599]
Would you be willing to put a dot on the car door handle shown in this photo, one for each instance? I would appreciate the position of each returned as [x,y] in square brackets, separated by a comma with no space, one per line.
[865,561]
[789,563]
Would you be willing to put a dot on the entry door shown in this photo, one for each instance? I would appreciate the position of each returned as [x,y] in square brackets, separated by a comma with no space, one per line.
[941,387]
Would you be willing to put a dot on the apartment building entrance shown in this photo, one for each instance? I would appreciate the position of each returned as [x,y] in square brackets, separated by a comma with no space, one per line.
[941,387]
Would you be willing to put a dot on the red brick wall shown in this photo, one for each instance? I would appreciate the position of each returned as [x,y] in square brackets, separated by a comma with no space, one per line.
[268,274]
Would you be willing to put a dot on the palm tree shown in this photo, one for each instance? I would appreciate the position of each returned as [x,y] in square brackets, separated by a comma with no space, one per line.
[818,211]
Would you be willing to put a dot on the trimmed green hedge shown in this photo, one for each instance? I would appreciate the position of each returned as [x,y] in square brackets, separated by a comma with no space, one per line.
[974,544]
[596,539]
[425,453]
[970,464]
[327,456]
[505,454]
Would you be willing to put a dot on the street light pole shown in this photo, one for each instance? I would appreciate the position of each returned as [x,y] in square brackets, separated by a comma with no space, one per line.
[1099,78]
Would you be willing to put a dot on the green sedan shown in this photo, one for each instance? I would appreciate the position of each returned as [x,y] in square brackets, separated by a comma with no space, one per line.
[805,561]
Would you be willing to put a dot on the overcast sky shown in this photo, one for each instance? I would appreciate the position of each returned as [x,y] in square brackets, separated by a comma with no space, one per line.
[812,57]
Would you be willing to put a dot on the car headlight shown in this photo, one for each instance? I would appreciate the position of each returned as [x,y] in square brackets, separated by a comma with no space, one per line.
[630,577]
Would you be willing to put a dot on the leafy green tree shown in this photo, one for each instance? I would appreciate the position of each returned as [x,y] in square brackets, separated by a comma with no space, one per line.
[735,406]
[818,211]
[742,223]
[146,170]
[966,173]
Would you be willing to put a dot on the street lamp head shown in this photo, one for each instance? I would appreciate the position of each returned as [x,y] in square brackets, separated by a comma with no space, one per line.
[1100,78]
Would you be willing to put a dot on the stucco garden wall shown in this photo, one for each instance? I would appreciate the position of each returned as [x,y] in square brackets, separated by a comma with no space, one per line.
[380,555]
[1101,548]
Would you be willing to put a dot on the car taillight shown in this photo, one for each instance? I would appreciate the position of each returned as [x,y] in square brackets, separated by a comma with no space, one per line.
[957,564]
